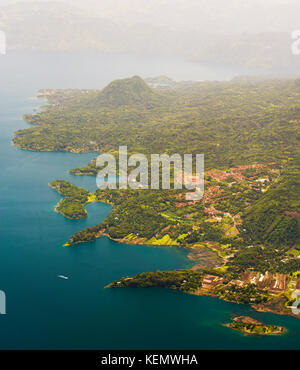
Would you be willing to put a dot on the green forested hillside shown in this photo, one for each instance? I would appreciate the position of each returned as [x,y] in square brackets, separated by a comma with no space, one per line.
[232,123]
[128,92]
[274,219]
[184,280]
[72,205]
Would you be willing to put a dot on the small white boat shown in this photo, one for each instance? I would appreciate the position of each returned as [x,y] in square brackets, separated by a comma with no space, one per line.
[63,277]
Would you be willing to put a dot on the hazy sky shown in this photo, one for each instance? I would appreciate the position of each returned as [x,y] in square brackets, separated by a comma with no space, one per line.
[234,15]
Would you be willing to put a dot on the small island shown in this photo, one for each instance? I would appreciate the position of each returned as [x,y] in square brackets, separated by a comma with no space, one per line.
[249,325]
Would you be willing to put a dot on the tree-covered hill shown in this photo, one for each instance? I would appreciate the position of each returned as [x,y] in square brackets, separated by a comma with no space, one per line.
[274,218]
[128,92]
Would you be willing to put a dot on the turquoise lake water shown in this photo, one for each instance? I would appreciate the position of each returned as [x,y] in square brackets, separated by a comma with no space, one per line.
[45,312]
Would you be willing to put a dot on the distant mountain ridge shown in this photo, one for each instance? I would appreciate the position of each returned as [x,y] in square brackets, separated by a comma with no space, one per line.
[54,26]
[57,26]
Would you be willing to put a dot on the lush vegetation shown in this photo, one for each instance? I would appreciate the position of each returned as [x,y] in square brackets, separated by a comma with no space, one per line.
[87,235]
[72,205]
[271,220]
[232,123]
[185,280]
[246,294]
[251,326]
